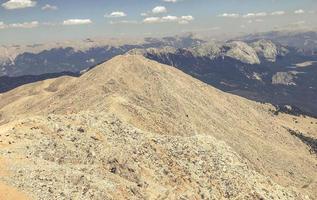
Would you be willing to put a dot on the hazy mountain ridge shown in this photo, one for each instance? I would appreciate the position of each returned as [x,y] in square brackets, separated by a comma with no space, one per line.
[255,52]
[305,40]
[76,56]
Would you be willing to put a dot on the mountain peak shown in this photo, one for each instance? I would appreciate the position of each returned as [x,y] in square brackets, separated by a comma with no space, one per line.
[125,67]
[132,115]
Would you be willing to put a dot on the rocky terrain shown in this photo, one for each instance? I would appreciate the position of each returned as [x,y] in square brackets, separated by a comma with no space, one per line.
[269,51]
[132,128]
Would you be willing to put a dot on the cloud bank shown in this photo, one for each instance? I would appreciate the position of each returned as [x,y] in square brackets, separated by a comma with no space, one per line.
[18,4]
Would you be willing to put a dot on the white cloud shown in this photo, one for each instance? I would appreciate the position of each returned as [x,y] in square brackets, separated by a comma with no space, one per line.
[229,15]
[49,7]
[300,11]
[76,22]
[159,9]
[277,13]
[252,15]
[169,18]
[260,14]
[151,20]
[181,20]
[18,4]
[116,14]
[187,18]
[32,24]
[155,10]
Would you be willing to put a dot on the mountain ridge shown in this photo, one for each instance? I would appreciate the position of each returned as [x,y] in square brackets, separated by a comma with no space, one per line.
[274,77]
[131,99]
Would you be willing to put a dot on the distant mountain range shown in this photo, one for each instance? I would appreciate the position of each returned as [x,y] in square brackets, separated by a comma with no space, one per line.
[76,56]
[306,41]
[275,67]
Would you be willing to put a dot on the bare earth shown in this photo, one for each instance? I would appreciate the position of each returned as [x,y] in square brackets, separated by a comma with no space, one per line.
[132,128]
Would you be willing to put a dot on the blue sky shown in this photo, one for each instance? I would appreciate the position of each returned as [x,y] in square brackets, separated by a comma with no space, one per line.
[30,21]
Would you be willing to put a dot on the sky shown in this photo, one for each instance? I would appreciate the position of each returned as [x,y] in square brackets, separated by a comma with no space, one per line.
[39,21]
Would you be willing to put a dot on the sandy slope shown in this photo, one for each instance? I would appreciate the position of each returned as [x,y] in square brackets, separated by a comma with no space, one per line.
[204,143]
[8,192]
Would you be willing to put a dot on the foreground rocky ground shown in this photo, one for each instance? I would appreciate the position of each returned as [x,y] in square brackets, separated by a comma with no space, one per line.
[89,156]
[135,129]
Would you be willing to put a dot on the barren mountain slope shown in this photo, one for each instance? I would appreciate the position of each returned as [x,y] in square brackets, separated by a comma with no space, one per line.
[100,133]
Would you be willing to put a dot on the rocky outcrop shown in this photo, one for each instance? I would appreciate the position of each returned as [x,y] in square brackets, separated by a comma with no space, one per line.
[210,50]
[242,52]
[284,78]
[268,51]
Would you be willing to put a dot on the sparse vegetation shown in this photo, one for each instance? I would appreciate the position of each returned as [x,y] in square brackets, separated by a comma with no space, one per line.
[309,141]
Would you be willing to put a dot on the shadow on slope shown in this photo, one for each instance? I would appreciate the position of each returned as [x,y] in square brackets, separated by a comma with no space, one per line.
[9,83]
